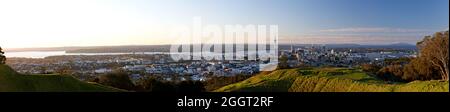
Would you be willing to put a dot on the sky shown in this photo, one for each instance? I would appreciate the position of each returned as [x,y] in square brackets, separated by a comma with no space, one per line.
[58,23]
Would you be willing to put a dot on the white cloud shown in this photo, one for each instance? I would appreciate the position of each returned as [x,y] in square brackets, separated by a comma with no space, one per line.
[373,30]
[360,35]
[351,39]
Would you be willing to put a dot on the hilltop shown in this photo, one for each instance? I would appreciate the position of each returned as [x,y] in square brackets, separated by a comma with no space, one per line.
[328,80]
[11,81]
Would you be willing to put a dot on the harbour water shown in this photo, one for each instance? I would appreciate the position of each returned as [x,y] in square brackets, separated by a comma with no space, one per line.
[43,54]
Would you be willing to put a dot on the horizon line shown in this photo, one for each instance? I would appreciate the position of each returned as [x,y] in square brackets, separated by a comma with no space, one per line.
[17,48]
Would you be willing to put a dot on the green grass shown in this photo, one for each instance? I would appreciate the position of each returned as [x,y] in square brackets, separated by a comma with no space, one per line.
[423,86]
[11,81]
[324,84]
[277,81]
[328,80]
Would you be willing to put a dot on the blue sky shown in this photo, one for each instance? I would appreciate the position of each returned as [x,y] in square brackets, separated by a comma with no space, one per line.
[308,15]
[388,21]
[300,21]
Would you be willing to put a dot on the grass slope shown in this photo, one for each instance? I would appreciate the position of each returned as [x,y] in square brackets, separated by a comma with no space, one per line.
[328,80]
[11,81]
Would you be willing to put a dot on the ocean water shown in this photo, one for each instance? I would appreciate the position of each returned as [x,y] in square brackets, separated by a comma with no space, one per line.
[34,54]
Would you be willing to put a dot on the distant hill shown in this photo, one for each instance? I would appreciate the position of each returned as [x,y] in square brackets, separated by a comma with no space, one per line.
[395,46]
[328,80]
[11,81]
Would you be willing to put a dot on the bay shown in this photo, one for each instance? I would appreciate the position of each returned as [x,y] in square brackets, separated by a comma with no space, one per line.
[43,54]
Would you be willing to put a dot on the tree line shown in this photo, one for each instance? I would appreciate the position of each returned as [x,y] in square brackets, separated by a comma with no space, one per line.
[119,78]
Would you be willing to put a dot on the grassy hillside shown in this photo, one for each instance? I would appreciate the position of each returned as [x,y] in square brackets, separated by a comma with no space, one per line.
[11,81]
[328,80]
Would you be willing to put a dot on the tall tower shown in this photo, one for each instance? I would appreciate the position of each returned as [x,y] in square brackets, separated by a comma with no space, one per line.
[292,49]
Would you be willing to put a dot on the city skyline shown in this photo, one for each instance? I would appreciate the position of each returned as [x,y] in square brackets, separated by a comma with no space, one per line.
[60,23]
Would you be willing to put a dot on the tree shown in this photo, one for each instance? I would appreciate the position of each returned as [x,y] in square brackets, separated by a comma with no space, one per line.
[410,72]
[283,62]
[435,51]
[371,68]
[419,69]
[64,70]
[43,69]
[2,56]
[432,61]
[119,79]
[391,73]
[155,84]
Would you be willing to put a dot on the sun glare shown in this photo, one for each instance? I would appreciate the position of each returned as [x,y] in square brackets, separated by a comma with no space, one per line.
[49,23]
